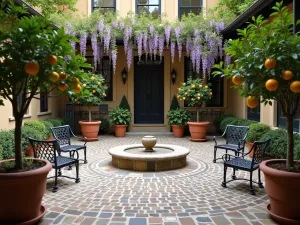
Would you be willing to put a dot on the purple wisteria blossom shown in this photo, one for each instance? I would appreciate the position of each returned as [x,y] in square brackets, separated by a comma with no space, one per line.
[198,50]
[69,30]
[227,60]
[220,27]
[107,38]
[83,38]
[145,44]
[122,25]
[172,51]
[129,56]
[100,27]
[139,40]
[127,37]
[151,29]
[168,34]
[100,53]
[95,49]
[211,23]
[188,45]
[155,45]
[204,65]
[161,43]
[177,34]
[220,44]
[196,33]
[193,58]
[151,47]
[179,50]
[114,59]
[114,24]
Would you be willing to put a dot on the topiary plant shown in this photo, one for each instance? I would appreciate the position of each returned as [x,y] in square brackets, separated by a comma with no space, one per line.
[54,122]
[256,131]
[38,126]
[124,103]
[119,116]
[174,103]
[48,126]
[30,131]
[178,117]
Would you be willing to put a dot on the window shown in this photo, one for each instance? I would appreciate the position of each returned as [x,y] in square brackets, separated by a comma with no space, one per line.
[20,103]
[106,5]
[281,121]
[189,6]
[149,7]
[43,102]
[254,114]
[217,82]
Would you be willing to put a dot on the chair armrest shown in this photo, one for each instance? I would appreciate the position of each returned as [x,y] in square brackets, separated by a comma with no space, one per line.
[79,138]
[228,157]
[215,140]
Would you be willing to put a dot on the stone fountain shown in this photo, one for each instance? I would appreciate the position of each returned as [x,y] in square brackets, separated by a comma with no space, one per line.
[149,156]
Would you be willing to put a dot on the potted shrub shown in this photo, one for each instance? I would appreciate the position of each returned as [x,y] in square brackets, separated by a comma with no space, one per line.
[91,94]
[256,131]
[31,53]
[174,105]
[120,117]
[267,67]
[125,105]
[178,118]
[196,93]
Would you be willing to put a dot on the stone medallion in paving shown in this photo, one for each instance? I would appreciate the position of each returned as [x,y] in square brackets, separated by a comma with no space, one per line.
[187,196]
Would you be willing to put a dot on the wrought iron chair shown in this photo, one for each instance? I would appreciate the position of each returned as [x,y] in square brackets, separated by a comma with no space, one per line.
[49,150]
[235,140]
[240,163]
[63,135]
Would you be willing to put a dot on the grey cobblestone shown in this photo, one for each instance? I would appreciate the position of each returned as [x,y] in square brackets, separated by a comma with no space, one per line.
[188,196]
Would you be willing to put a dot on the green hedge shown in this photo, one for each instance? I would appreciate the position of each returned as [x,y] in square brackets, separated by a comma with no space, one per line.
[7,142]
[47,125]
[256,131]
[29,131]
[278,146]
[235,121]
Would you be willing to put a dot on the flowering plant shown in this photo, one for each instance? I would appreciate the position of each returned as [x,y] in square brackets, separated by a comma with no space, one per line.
[92,91]
[195,92]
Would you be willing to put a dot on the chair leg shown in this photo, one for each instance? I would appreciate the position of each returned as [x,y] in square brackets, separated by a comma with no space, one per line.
[215,152]
[59,172]
[71,156]
[77,180]
[252,192]
[233,175]
[260,184]
[55,187]
[85,161]
[224,178]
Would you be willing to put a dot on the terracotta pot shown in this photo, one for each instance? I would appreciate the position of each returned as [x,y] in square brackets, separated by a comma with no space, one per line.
[249,145]
[198,130]
[21,195]
[29,151]
[90,129]
[283,190]
[50,138]
[120,130]
[178,131]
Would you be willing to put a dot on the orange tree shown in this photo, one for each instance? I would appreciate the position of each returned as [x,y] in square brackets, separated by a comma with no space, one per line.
[32,57]
[267,66]
[195,92]
[92,91]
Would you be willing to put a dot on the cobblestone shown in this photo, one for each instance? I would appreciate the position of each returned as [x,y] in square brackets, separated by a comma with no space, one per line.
[188,196]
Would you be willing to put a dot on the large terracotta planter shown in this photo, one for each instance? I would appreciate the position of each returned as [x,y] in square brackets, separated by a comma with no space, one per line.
[249,145]
[198,130]
[120,130]
[21,195]
[283,190]
[90,129]
[178,131]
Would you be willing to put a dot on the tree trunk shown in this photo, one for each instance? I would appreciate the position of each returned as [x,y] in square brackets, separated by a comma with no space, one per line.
[90,115]
[18,142]
[197,115]
[290,146]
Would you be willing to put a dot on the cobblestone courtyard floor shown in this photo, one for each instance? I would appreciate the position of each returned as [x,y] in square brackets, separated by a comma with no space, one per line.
[188,196]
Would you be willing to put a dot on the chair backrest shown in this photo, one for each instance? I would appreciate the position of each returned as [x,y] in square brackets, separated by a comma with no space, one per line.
[62,134]
[44,149]
[259,148]
[234,134]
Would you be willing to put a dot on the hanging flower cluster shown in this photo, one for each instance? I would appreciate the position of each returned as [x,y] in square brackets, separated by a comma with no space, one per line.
[200,37]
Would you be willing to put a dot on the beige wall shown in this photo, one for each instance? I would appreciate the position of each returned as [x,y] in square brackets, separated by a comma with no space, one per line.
[55,109]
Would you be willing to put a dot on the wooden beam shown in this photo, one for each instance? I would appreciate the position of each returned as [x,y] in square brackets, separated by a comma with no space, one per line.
[296,7]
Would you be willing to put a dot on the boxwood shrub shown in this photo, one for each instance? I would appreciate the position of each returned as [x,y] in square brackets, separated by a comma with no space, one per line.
[38,126]
[55,122]
[7,142]
[47,125]
[256,131]
[30,131]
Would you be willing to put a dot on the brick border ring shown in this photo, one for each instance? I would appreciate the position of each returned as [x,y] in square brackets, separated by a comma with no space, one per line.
[147,161]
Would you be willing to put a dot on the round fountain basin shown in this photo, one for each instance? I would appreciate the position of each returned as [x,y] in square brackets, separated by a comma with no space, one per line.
[163,157]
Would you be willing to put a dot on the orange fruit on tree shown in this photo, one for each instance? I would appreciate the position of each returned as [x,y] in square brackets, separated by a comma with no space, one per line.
[62,76]
[94,91]
[62,87]
[99,83]
[295,86]
[272,85]
[251,101]
[287,75]
[84,85]
[77,89]
[52,59]
[270,63]
[32,68]
[76,80]
[54,77]
[237,79]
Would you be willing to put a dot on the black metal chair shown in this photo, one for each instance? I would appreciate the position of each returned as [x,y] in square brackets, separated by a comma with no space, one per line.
[49,150]
[63,135]
[235,140]
[241,163]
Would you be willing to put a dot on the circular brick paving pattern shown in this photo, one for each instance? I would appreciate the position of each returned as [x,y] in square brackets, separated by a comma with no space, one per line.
[187,196]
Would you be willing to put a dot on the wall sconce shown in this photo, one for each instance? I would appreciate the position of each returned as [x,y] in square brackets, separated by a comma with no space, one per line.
[173,76]
[124,75]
